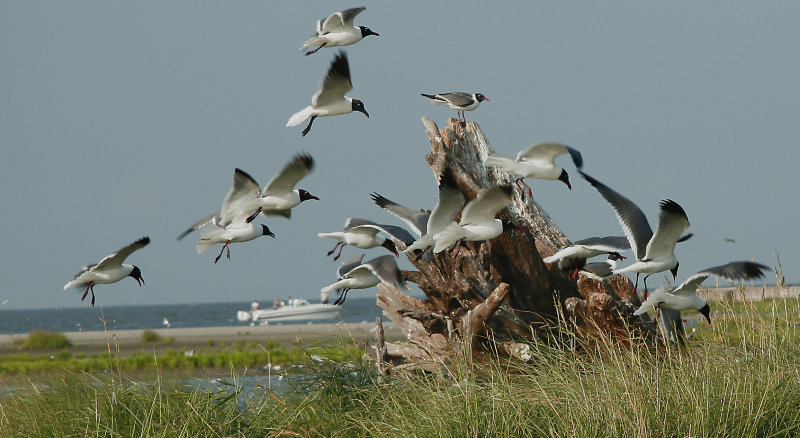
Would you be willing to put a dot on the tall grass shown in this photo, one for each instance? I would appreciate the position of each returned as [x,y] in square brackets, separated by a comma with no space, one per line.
[738,377]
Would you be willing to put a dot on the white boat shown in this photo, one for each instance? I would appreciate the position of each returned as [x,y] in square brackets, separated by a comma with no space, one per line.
[296,309]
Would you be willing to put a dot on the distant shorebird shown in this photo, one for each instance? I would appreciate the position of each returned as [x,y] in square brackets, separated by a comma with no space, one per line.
[458,101]
[684,297]
[655,252]
[278,197]
[363,234]
[109,270]
[338,30]
[538,161]
[356,275]
[478,219]
[330,99]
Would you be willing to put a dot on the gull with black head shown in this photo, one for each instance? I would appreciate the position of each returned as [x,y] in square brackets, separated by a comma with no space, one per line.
[459,101]
[338,30]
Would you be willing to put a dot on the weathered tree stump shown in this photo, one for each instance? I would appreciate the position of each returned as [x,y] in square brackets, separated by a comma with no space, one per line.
[497,293]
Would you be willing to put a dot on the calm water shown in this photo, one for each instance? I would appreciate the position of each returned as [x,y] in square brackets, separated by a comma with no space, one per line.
[142,316]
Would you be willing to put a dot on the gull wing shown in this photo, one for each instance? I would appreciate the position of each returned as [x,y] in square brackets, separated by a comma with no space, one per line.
[416,219]
[606,244]
[547,152]
[397,233]
[386,269]
[296,169]
[730,271]
[457,98]
[213,218]
[350,265]
[631,218]
[340,20]
[486,205]
[336,82]
[451,199]
[116,259]
[244,190]
[672,222]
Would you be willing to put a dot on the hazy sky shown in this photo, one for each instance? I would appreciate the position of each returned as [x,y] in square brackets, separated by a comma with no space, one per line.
[126,119]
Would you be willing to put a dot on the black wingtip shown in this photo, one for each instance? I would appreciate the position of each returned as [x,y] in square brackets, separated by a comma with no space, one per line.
[754,270]
[577,158]
[379,200]
[306,159]
[671,206]
[591,180]
[507,189]
[429,96]
[448,179]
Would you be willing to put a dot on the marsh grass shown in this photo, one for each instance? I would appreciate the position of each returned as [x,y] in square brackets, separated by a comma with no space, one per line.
[43,340]
[738,377]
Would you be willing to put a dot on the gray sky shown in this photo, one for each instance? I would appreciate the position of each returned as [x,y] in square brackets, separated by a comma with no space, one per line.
[126,119]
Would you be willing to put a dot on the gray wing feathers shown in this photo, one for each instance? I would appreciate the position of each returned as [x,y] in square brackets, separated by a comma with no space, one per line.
[213,217]
[631,218]
[486,205]
[118,257]
[730,271]
[672,222]
[416,219]
[610,243]
[350,265]
[296,169]
[336,82]
[386,269]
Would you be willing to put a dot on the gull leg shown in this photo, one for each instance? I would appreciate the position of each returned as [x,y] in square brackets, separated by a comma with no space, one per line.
[252,216]
[645,285]
[340,252]
[88,286]
[92,289]
[530,193]
[224,247]
[519,186]
[308,128]
[315,50]
[334,248]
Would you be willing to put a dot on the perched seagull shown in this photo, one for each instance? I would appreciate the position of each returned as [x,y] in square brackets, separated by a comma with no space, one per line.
[477,219]
[458,101]
[538,161]
[363,234]
[232,223]
[655,252]
[451,199]
[416,219]
[109,270]
[356,275]
[338,30]
[278,197]
[577,253]
[330,99]
[684,297]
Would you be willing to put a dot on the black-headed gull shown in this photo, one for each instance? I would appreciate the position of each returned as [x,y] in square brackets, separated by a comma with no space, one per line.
[601,271]
[356,275]
[330,99]
[478,219]
[684,297]
[338,30]
[278,197]
[538,161]
[232,224]
[458,101]
[655,252]
[451,199]
[416,219]
[109,270]
[568,256]
[363,234]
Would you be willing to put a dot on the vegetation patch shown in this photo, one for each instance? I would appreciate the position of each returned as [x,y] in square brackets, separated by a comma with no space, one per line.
[44,340]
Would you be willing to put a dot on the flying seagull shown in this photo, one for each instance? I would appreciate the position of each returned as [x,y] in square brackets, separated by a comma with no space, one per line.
[458,101]
[478,219]
[233,223]
[684,297]
[109,270]
[356,275]
[338,30]
[571,255]
[330,99]
[655,252]
[538,161]
[278,197]
[363,234]
[451,199]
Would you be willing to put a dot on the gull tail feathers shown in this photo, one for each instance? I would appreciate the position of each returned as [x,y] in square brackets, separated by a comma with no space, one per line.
[207,237]
[298,117]
[500,161]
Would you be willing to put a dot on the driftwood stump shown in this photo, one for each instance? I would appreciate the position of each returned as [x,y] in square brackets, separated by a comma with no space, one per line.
[497,295]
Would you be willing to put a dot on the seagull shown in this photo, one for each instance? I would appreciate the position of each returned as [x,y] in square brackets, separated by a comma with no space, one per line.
[451,199]
[655,252]
[109,270]
[570,256]
[278,197]
[458,101]
[363,234]
[601,271]
[232,223]
[684,297]
[538,161]
[356,275]
[477,219]
[338,30]
[416,219]
[330,99]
